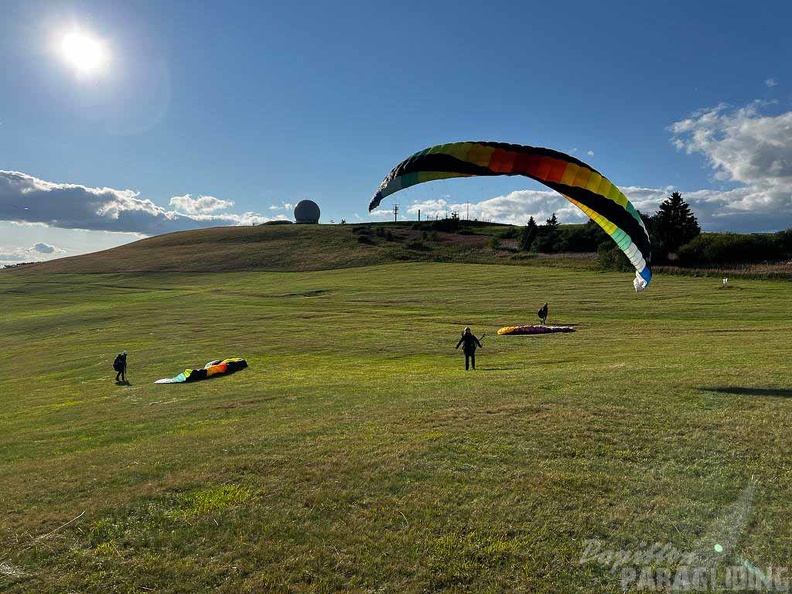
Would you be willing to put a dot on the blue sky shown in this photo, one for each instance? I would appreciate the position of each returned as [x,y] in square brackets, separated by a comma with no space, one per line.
[210,113]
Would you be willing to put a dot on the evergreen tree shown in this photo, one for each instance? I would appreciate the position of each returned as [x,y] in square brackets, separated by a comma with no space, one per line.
[528,235]
[548,238]
[673,225]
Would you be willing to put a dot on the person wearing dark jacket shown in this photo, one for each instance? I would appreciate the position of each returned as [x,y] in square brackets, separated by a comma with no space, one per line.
[469,343]
[119,365]
[542,313]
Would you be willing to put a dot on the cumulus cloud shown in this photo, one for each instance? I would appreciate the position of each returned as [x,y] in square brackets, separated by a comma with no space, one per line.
[749,149]
[711,207]
[44,248]
[25,198]
[10,254]
[771,82]
[740,145]
[284,206]
[18,241]
[199,206]
[514,208]
[14,255]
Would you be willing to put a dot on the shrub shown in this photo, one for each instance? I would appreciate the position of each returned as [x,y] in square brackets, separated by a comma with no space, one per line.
[447,225]
[419,246]
[785,239]
[582,238]
[610,257]
[733,248]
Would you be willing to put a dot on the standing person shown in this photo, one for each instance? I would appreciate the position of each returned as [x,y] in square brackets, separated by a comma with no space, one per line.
[542,313]
[119,365]
[469,343]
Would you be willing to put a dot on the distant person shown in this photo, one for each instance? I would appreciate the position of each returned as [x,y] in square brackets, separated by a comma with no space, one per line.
[469,343]
[119,365]
[542,313]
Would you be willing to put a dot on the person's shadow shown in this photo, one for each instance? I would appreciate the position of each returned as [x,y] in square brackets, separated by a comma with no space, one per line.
[745,391]
[123,383]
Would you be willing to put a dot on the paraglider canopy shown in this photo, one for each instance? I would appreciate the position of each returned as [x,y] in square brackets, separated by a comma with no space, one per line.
[578,182]
[213,368]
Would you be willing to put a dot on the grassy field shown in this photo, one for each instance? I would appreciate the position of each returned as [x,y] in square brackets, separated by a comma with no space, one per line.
[289,248]
[356,454]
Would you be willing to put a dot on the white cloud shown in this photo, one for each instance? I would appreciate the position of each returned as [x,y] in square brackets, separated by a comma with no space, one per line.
[16,239]
[284,206]
[24,198]
[749,149]
[590,153]
[771,82]
[515,208]
[14,255]
[713,208]
[44,248]
[199,206]
[741,145]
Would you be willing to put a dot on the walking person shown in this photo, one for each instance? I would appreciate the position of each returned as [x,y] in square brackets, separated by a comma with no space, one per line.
[119,365]
[469,344]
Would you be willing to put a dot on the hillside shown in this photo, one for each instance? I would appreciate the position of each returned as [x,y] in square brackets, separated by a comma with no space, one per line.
[290,248]
[355,454]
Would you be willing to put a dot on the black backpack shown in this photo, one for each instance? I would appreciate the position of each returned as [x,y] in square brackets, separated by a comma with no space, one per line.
[118,364]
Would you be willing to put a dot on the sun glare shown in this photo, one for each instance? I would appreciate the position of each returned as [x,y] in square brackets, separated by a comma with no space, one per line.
[83,52]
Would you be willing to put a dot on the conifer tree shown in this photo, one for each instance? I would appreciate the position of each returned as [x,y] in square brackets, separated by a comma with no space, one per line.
[528,235]
[548,239]
[673,225]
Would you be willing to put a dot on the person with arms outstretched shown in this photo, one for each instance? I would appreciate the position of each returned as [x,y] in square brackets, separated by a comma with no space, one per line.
[469,344]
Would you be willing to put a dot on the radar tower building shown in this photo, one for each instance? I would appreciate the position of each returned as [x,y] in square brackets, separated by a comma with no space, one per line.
[306,212]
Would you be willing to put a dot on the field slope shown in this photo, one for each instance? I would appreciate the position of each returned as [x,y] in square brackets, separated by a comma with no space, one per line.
[356,454]
[289,248]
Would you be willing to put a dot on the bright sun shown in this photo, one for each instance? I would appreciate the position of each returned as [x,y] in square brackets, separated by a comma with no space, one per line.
[84,53]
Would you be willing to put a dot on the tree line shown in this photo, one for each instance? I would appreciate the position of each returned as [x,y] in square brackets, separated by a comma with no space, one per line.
[675,235]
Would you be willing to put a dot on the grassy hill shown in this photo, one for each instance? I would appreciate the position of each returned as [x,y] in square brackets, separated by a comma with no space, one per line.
[326,247]
[356,454]
[289,248]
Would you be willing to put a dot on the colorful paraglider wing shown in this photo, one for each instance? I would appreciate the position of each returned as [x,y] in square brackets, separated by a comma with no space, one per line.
[579,183]
[534,329]
[216,367]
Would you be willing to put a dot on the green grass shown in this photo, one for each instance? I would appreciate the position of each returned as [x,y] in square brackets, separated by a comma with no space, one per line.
[280,248]
[356,454]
